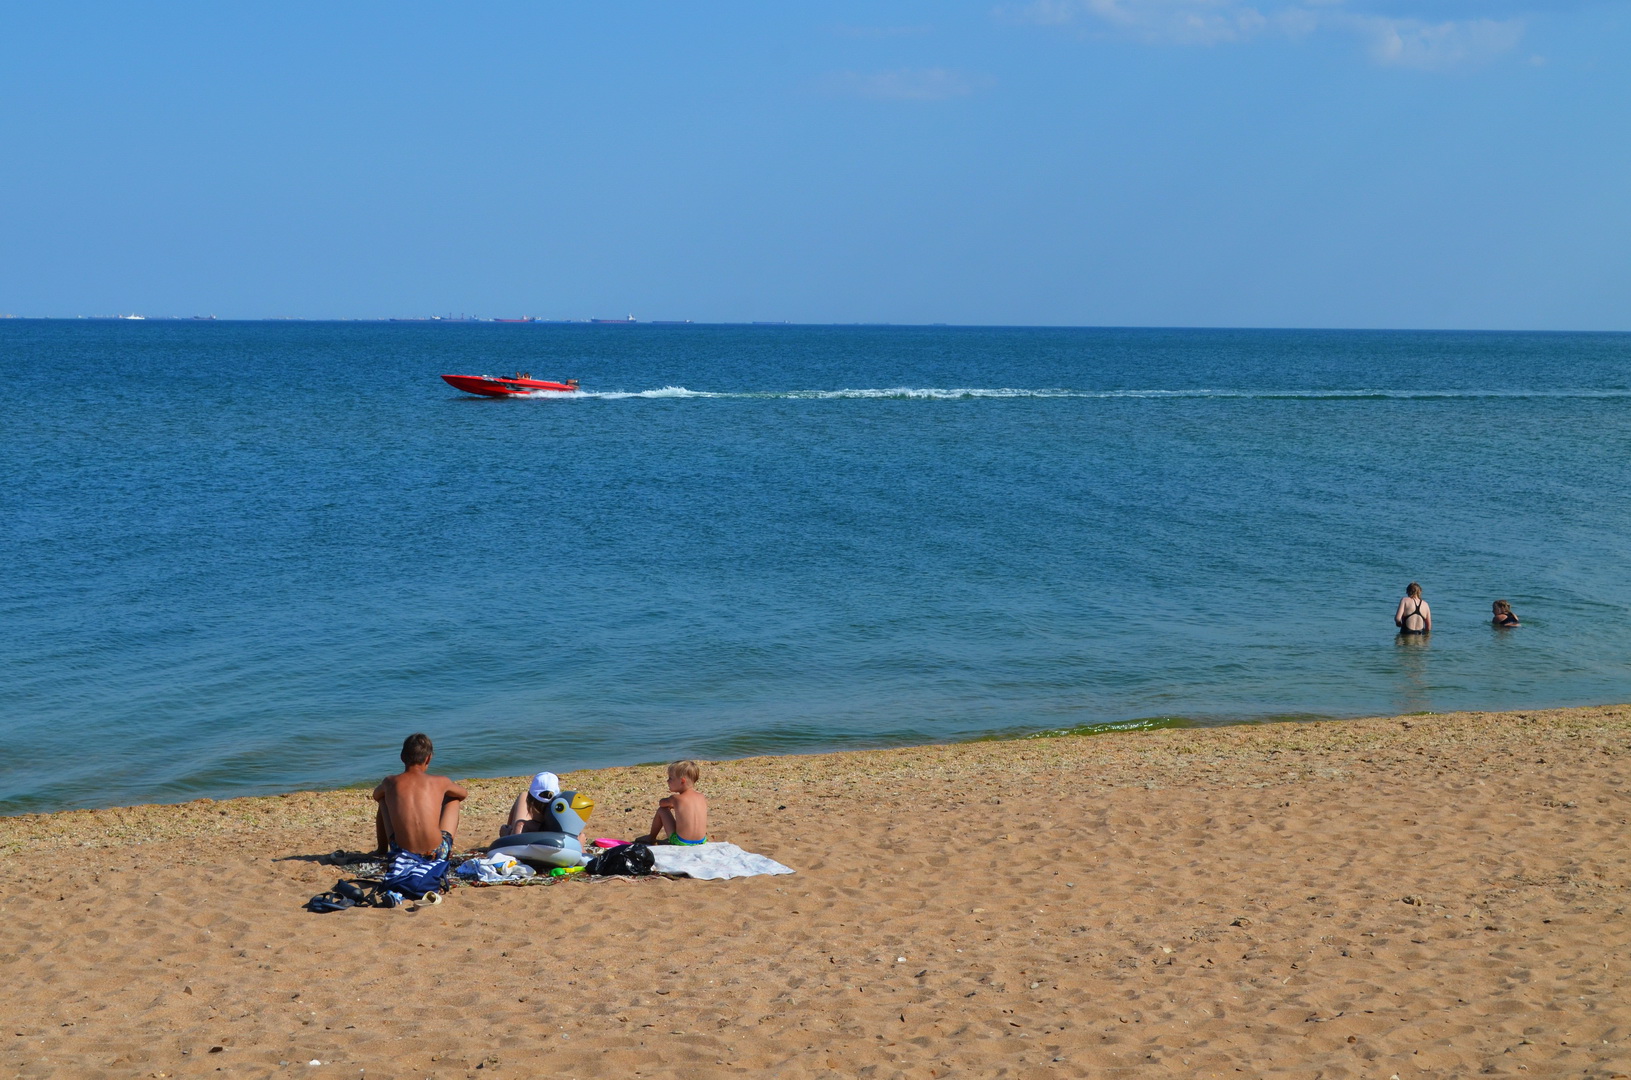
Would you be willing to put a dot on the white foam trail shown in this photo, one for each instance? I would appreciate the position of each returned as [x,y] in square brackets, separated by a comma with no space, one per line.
[618,395]
[929,393]
[967,393]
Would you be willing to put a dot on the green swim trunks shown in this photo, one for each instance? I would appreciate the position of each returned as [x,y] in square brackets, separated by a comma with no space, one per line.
[685,843]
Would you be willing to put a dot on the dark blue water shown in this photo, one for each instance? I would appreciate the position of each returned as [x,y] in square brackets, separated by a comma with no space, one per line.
[246,557]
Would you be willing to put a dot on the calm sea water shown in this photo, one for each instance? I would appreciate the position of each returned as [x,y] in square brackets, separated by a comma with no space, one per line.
[250,557]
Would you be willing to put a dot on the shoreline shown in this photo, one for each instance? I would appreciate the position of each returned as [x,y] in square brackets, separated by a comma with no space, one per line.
[1422,895]
[1130,726]
[124,821]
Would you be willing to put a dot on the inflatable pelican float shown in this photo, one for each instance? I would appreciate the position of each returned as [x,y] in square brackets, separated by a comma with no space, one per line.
[566,815]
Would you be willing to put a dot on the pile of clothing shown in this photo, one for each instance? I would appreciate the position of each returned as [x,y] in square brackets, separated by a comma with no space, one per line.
[495,869]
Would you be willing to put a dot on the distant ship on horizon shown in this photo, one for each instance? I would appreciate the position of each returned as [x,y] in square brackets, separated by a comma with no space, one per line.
[614,322]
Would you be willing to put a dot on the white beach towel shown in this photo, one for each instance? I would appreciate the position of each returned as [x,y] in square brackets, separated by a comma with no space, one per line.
[713,862]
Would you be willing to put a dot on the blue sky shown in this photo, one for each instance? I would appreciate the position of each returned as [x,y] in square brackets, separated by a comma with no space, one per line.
[1418,163]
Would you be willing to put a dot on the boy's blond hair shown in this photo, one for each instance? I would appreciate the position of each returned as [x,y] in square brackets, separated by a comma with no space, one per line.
[687,768]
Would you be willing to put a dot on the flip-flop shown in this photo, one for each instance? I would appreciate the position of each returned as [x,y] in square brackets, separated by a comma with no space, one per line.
[329,901]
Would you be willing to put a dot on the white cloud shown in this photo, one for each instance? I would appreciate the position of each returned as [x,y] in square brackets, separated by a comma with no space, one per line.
[1043,12]
[904,84]
[1437,46]
[1188,22]
[1392,41]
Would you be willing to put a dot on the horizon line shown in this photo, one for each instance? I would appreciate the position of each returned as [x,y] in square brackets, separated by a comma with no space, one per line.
[764,323]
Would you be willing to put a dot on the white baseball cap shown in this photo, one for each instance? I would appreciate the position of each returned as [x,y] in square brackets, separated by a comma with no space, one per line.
[544,786]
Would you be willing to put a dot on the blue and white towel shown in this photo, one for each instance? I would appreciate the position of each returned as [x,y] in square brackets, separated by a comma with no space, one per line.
[413,874]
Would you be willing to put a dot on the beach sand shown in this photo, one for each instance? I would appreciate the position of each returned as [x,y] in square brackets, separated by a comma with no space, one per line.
[1417,896]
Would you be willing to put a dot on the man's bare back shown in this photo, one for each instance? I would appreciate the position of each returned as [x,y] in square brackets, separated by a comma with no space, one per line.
[416,808]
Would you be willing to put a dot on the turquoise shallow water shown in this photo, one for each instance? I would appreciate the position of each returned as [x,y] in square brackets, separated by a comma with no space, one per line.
[248,557]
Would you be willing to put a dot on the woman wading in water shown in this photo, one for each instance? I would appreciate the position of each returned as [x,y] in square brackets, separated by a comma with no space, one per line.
[1413,616]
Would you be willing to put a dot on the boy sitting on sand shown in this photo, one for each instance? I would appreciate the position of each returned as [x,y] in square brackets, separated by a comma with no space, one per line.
[418,815]
[683,816]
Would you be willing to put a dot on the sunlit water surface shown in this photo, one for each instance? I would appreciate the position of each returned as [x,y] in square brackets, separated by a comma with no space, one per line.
[249,557]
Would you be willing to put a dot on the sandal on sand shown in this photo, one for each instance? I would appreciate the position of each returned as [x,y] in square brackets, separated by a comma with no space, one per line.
[349,894]
[329,901]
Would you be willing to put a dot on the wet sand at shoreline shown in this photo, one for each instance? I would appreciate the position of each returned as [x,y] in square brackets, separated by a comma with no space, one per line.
[1420,896]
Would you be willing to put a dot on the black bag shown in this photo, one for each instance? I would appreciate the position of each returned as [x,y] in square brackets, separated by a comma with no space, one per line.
[627,860]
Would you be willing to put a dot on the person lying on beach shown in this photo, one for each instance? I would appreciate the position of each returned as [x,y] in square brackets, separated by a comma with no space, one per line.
[417,817]
[1503,614]
[683,816]
[1413,616]
[531,806]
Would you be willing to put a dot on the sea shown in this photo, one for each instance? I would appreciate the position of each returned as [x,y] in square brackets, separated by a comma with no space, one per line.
[250,557]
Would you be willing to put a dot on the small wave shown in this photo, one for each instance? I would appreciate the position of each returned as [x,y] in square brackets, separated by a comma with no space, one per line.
[1143,723]
[908,393]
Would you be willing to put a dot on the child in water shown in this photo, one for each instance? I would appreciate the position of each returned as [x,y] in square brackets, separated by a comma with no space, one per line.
[1503,614]
[683,816]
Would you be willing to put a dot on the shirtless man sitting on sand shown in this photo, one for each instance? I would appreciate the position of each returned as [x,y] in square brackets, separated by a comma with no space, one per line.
[418,815]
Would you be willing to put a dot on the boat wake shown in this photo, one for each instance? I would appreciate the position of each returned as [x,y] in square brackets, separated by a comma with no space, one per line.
[907,393]
[619,395]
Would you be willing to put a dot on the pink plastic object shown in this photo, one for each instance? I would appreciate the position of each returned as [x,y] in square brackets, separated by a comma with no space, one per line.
[607,845]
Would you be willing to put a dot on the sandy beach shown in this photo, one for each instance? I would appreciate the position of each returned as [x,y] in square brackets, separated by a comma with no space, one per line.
[1418,896]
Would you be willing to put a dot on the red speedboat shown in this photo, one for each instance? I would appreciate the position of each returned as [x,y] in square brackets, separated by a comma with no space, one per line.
[502,386]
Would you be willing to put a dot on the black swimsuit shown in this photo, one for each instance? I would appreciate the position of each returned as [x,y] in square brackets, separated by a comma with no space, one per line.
[1404,621]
